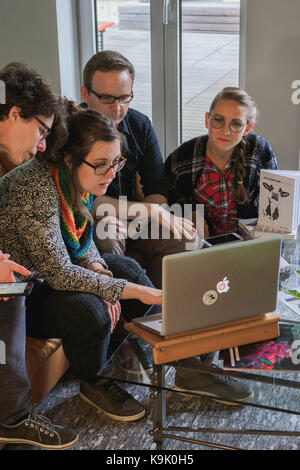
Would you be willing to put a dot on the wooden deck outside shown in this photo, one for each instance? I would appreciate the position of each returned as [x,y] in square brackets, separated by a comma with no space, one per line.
[210,62]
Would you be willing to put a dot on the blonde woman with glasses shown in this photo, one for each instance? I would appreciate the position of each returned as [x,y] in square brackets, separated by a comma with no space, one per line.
[221,170]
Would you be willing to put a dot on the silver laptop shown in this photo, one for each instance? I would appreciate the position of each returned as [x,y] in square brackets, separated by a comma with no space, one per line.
[217,285]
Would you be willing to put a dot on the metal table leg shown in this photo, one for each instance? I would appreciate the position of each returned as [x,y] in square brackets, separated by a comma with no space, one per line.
[158,395]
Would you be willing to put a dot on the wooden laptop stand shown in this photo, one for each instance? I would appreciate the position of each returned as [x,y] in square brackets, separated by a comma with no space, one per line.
[193,343]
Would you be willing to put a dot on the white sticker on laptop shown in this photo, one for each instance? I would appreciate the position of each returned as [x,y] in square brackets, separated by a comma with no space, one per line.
[210,297]
[223,286]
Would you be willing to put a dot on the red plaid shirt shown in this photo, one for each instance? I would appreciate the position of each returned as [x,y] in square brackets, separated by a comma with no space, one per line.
[214,190]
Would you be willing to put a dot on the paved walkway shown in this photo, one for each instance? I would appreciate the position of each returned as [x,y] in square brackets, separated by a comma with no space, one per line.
[210,62]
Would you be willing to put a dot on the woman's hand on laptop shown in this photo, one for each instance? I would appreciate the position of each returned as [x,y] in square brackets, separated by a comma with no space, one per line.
[147,295]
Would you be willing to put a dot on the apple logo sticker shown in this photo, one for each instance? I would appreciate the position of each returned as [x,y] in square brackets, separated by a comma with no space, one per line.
[223,286]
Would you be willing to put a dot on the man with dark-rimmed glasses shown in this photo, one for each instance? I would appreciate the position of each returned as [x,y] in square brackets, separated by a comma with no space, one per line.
[108,80]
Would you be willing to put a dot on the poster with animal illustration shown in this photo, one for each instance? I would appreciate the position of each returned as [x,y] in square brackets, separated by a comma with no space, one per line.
[278,202]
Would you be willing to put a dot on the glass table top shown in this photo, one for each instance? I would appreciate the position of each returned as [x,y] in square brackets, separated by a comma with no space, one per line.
[130,358]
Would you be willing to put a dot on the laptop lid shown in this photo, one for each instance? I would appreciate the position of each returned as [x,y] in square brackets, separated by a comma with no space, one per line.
[219,284]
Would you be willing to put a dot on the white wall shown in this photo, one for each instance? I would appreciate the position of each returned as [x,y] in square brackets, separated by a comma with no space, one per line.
[28,33]
[42,33]
[272,65]
[68,50]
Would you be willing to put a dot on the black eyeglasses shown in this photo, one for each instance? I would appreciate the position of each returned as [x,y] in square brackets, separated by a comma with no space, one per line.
[108,99]
[44,132]
[218,121]
[102,169]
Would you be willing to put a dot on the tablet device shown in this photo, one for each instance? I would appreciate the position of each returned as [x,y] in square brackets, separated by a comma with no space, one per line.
[219,239]
[14,289]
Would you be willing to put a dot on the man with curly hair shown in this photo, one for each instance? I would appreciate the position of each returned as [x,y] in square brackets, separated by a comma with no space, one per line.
[29,114]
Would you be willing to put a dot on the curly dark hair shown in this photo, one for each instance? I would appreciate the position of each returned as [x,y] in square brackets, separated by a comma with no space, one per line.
[27,90]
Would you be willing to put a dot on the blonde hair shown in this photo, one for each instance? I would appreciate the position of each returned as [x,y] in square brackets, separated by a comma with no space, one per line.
[239,154]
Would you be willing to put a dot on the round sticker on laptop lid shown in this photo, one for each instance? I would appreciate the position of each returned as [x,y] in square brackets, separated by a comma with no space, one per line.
[209,297]
[223,286]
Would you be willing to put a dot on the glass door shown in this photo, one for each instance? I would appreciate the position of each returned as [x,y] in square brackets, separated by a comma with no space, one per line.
[210,57]
[124,26]
[184,52]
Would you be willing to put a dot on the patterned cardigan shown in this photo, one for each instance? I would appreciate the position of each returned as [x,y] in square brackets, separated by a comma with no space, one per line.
[184,166]
[30,232]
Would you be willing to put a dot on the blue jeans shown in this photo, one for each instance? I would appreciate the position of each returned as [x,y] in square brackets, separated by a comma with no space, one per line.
[80,319]
[15,388]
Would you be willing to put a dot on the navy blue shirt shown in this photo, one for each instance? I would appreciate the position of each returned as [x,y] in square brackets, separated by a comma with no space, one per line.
[143,156]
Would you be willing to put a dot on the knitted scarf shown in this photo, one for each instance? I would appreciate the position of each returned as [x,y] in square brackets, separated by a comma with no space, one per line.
[76,229]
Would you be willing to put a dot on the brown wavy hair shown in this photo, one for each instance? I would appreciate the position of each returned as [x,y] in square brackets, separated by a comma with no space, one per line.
[85,128]
[239,154]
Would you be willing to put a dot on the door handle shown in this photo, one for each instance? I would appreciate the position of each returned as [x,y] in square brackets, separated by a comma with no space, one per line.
[166,7]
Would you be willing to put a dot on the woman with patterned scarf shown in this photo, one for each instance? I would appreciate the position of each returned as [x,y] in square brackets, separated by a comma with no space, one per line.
[46,226]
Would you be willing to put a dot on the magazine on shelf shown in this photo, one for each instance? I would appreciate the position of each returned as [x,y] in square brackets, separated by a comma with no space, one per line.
[290,299]
[278,354]
[279,203]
